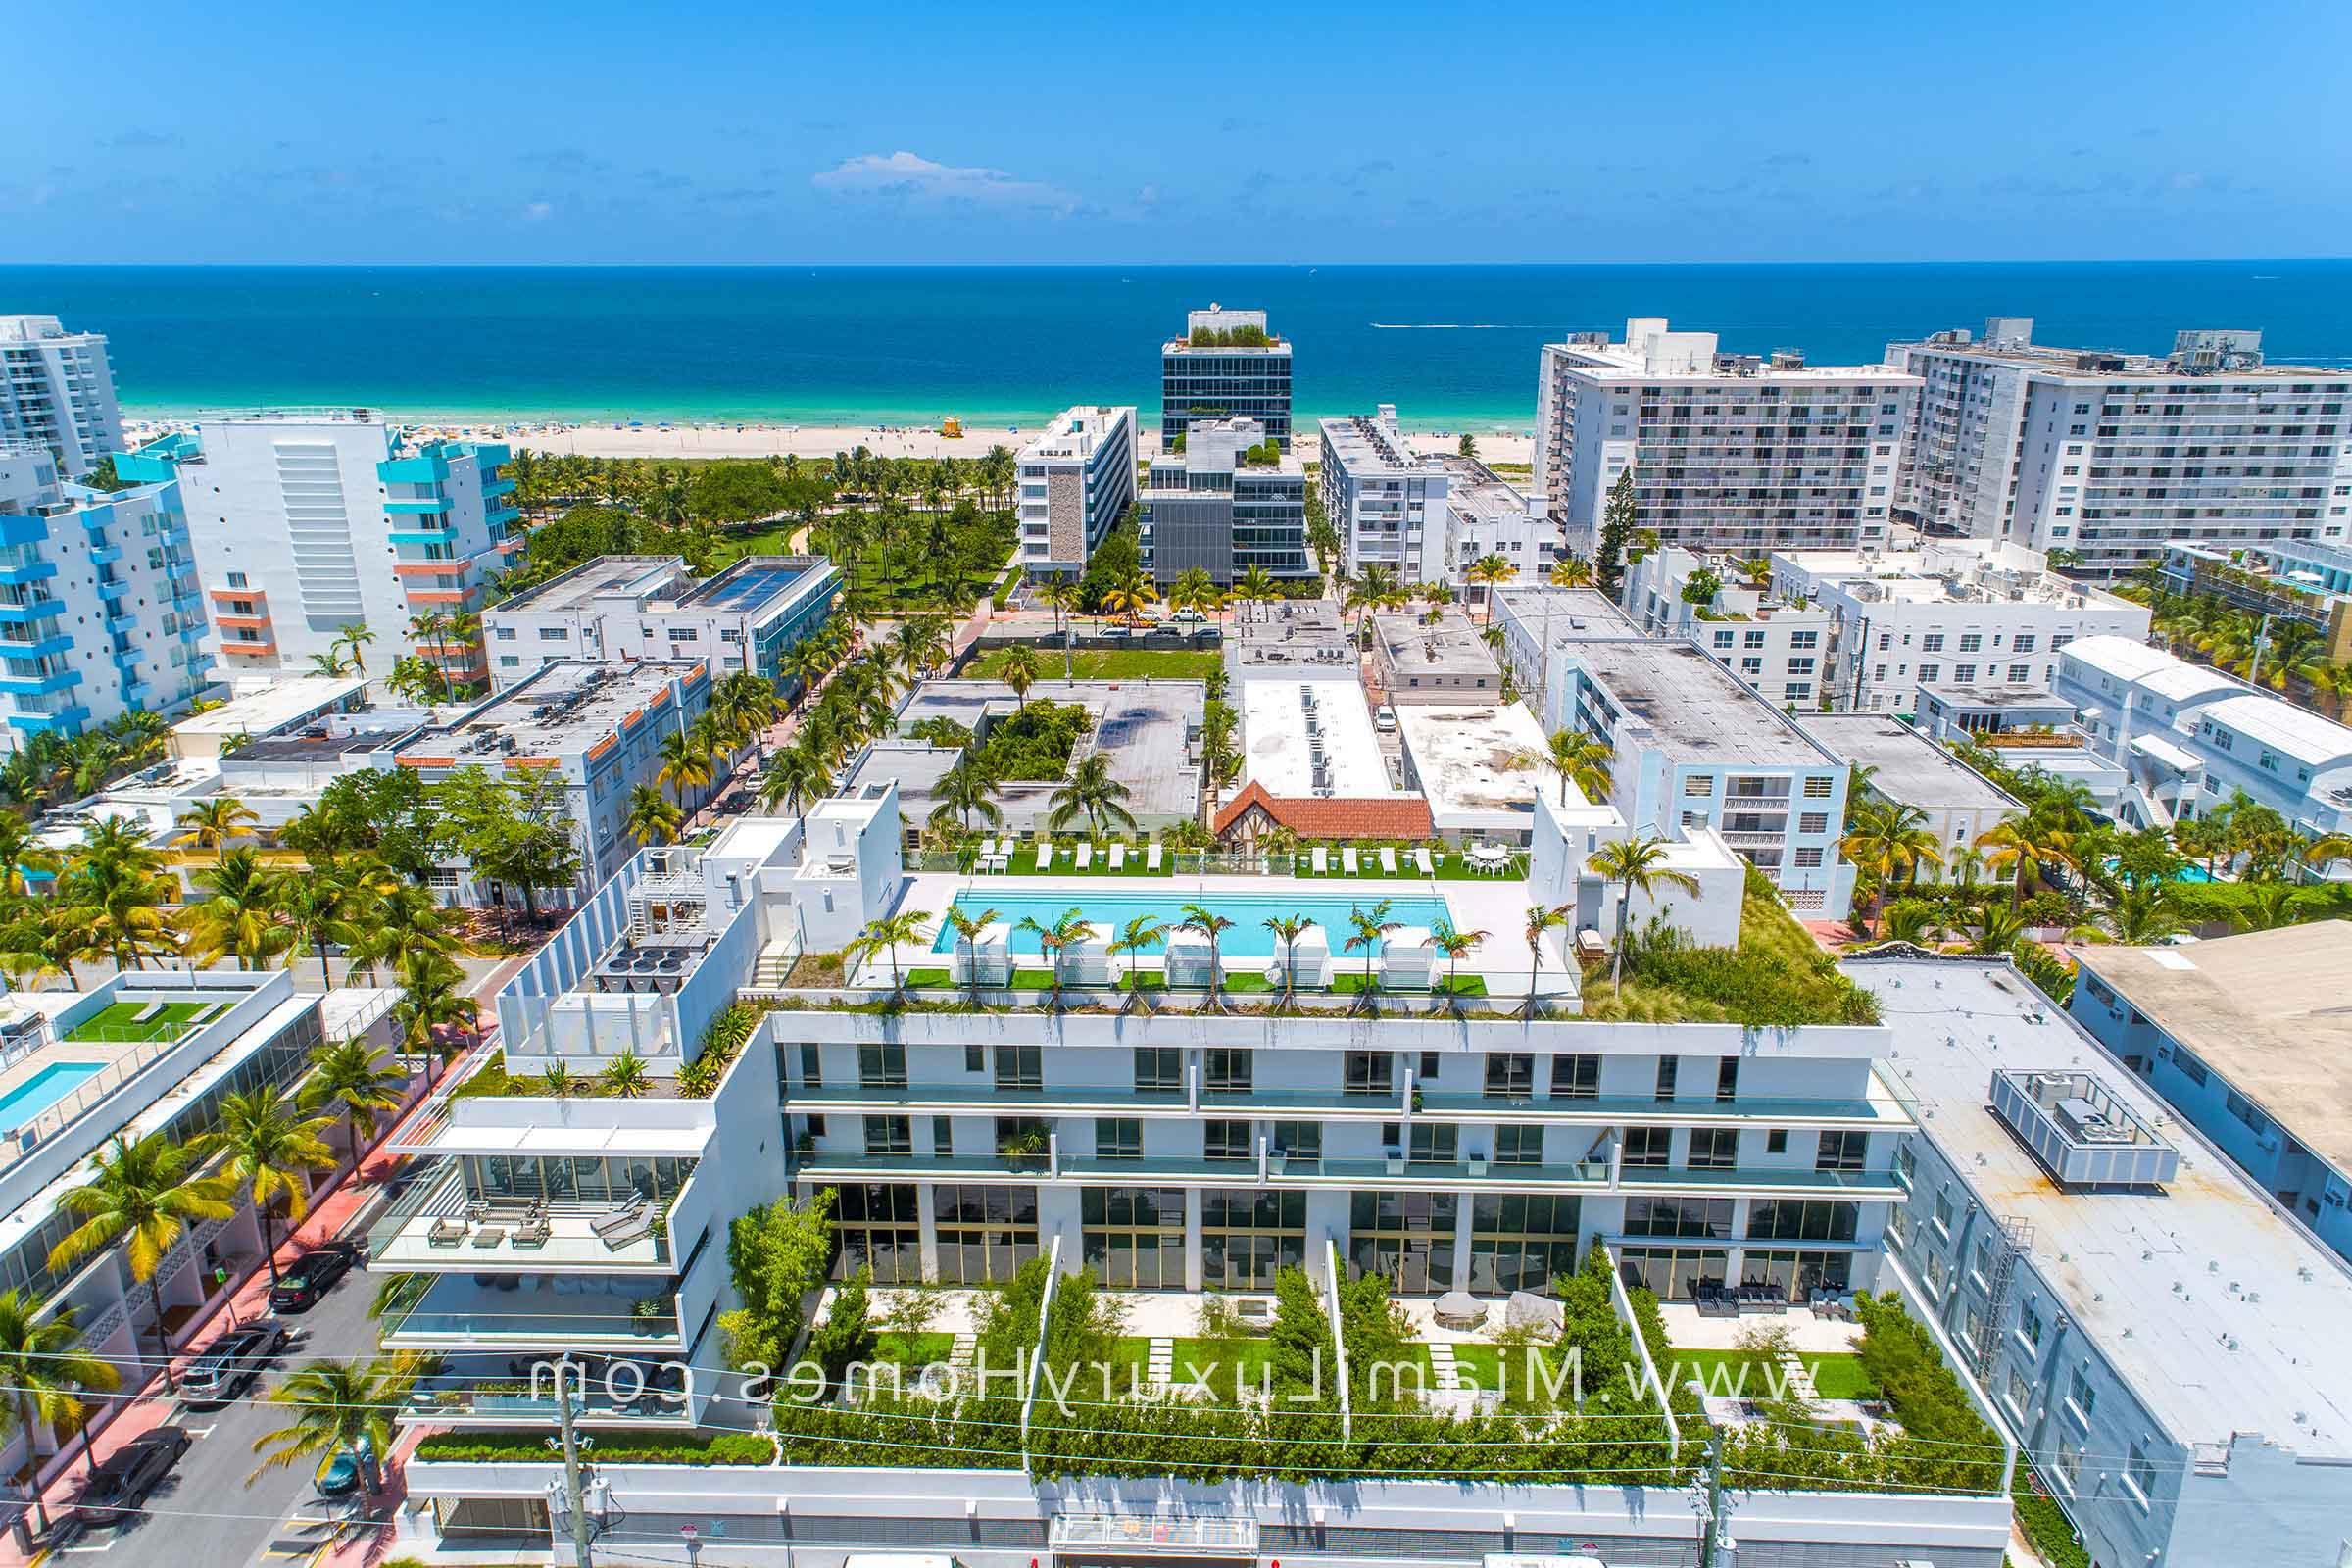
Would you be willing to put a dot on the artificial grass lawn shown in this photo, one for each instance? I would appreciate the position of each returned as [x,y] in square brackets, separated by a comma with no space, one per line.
[1065,863]
[1834,1377]
[121,1021]
[927,1348]
[1225,1362]
[1108,664]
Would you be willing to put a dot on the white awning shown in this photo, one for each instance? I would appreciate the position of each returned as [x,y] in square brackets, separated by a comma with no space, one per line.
[2178,757]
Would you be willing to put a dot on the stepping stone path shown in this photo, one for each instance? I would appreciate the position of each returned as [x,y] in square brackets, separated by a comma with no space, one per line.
[1160,1368]
[960,1354]
[1797,1380]
[1443,1376]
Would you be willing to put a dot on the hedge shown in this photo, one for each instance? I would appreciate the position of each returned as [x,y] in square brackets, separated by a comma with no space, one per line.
[616,1446]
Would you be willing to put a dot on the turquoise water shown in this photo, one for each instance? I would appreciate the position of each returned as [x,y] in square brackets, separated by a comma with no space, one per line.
[1452,346]
[42,1089]
[1109,913]
[2188,873]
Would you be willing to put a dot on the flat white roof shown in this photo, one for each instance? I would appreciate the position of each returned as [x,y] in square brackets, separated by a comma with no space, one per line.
[2223,1314]
[1909,766]
[1274,738]
[2129,658]
[2302,735]
[281,703]
[1466,759]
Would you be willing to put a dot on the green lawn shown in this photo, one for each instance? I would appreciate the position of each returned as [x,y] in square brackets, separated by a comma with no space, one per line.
[927,1348]
[121,1021]
[1834,1377]
[1108,664]
[1065,863]
[1224,1362]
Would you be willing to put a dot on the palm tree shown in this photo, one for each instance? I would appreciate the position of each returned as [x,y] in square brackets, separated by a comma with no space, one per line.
[114,891]
[1572,571]
[357,1079]
[968,928]
[43,1363]
[1256,586]
[351,642]
[21,853]
[1091,792]
[431,1002]
[654,819]
[884,934]
[1636,864]
[1140,933]
[1998,930]
[794,777]
[242,915]
[268,1145]
[1067,932]
[142,1195]
[1130,595]
[335,1405]
[1575,758]
[328,907]
[2025,849]
[1369,927]
[214,822]
[1491,573]
[1539,919]
[1017,667]
[2328,848]
[1456,945]
[1892,839]
[918,645]
[1913,920]
[1288,930]
[1064,595]
[685,765]
[1212,925]
[966,788]
[2138,918]
[1193,589]
[625,1077]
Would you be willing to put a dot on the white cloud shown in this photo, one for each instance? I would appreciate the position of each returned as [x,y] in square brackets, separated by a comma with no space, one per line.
[537,210]
[910,178]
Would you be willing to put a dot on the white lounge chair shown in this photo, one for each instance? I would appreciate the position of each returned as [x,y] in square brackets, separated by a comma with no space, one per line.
[1387,861]
[1421,861]
[1348,861]
[1118,857]
[1151,858]
[1086,855]
[1322,860]
[1044,854]
[987,858]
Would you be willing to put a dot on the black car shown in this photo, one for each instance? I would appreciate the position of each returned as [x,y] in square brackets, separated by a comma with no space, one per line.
[122,1482]
[223,1372]
[300,1287]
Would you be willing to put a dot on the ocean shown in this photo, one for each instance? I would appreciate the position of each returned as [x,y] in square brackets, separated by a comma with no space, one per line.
[1453,347]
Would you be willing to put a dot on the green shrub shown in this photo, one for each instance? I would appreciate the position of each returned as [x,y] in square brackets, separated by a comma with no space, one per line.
[722,1042]
[1034,743]
[612,1446]
[2045,1524]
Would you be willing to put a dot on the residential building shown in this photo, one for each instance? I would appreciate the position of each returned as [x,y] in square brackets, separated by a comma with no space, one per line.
[2289,579]
[1387,500]
[1226,502]
[2111,457]
[264,707]
[1415,659]
[1313,764]
[749,615]
[1486,515]
[2158,1334]
[1778,648]
[599,727]
[1226,366]
[1955,803]
[2245,1038]
[1694,749]
[57,390]
[1279,639]
[1477,767]
[143,1052]
[99,612]
[1951,614]
[1727,451]
[2191,738]
[1148,729]
[1077,480]
[307,525]
[1995,714]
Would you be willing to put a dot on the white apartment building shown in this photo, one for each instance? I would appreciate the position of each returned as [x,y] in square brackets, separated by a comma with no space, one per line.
[1954,612]
[2112,455]
[99,611]
[1727,451]
[1077,480]
[1778,650]
[749,616]
[57,389]
[1486,515]
[306,524]
[1388,502]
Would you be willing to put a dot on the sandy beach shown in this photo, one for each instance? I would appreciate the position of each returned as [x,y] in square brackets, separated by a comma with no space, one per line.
[684,440]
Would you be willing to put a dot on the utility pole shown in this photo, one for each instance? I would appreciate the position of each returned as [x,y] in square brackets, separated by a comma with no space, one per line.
[1714,1527]
[572,1491]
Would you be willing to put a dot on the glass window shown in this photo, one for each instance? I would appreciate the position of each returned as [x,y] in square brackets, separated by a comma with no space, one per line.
[1248,1235]
[1516,1144]
[1133,1237]
[881,1067]
[984,1234]
[1158,1067]
[1300,1143]
[1576,1077]
[889,1135]
[1715,1149]
[1226,1140]
[1510,1074]
[1118,1138]
[1020,1067]
[1226,1070]
[1669,1071]
[1408,1238]
[1370,1073]
[1842,1152]
[1648,1145]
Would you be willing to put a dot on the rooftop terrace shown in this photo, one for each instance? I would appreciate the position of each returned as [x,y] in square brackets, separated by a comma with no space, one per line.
[566,707]
[606,576]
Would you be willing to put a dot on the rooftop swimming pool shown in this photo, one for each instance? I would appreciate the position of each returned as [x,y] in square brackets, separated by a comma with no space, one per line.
[1109,912]
[44,1089]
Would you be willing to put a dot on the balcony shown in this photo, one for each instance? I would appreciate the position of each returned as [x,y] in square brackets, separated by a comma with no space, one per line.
[531,1312]
[122,624]
[64,721]
[439,1224]
[56,642]
[102,556]
[56,680]
[502,517]
[26,607]
[417,505]
[29,572]
[1749,1181]
[111,589]
[517,1399]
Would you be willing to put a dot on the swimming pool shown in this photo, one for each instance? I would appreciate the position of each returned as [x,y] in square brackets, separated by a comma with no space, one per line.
[1109,912]
[44,1089]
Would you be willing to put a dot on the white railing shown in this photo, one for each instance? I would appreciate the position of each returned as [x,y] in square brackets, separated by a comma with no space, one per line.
[26,1136]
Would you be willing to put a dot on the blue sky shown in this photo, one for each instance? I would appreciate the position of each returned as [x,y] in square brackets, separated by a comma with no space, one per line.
[736,132]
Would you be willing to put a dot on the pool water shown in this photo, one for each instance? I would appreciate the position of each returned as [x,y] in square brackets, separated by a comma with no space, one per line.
[42,1089]
[1109,913]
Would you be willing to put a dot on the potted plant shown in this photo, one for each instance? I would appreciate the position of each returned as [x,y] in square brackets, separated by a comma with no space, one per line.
[1024,1146]
[645,1316]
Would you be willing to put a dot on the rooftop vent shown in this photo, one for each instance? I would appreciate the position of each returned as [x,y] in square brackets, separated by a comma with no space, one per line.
[2080,1132]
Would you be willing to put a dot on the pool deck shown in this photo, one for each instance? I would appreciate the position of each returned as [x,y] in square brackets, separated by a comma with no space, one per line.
[99,1053]
[1498,907]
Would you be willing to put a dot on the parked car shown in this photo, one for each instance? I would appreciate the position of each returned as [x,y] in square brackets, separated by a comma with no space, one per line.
[236,1359]
[307,1279]
[134,1470]
[339,1475]
[1189,617]
[1383,719]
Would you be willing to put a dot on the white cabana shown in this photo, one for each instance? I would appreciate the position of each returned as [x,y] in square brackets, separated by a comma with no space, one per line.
[1186,959]
[987,960]
[1407,958]
[1309,957]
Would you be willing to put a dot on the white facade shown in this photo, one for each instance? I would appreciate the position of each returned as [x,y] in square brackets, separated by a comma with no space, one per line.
[1486,515]
[1952,613]
[307,523]
[1777,650]
[2112,455]
[1077,480]
[1387,500]
[99,611]
[628,608]
[57,389]
[1727,451]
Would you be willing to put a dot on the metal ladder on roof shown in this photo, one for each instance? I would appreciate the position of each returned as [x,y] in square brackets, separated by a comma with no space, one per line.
[2017,1240]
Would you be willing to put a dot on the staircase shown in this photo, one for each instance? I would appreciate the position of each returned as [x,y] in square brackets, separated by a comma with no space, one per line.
[1795,1381]
[1444,1377]
[960,1357]
[774,964]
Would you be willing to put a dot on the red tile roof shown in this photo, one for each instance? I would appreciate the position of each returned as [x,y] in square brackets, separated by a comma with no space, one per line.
[1384,816]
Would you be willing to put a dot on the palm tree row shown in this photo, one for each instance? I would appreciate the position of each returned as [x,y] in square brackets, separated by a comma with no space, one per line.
[49,767]
[2287,655]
